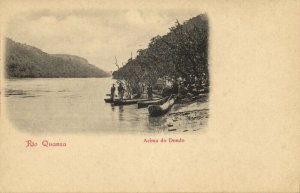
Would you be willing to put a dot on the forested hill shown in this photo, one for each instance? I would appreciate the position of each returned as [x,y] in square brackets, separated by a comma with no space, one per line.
[24,61]
[181,53]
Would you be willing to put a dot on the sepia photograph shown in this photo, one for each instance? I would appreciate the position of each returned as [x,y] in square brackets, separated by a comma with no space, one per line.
[107,71]
[150,96]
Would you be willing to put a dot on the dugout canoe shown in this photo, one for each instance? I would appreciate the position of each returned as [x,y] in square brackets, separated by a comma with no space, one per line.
[108,100]
[158,110]
[145,104]
[130,101]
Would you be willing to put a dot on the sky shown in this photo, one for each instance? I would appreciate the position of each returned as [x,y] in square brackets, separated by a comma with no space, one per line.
[98,35]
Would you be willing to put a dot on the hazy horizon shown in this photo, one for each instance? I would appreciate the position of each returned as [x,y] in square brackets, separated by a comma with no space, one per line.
[96,35]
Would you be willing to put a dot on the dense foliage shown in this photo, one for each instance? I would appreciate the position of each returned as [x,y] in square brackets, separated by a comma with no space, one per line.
[24,61]
[183,52]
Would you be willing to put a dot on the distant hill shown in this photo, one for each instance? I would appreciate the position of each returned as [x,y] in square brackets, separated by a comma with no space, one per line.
[24,61]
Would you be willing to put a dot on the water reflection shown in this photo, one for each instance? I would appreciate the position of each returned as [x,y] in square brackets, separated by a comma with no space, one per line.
[14,92]
[112,107]
[121,114]
[121,109]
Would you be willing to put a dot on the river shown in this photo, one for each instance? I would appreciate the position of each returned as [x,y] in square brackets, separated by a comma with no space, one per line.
[43,105]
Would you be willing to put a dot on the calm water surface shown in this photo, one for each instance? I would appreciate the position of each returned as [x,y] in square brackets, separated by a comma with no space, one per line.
[71,105]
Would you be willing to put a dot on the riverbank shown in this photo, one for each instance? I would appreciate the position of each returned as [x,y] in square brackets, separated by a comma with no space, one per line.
[186,117]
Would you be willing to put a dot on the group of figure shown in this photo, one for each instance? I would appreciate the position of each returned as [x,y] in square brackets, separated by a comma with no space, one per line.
[121,91]
[182,86]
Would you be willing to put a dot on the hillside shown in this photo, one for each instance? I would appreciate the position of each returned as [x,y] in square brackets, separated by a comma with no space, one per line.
[180,54]
[24,61]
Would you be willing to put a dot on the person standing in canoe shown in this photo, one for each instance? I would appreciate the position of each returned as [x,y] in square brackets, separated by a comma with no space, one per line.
[149,92]
[112,92]
[120,91]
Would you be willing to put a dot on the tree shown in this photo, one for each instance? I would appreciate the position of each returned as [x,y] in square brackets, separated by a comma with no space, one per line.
[183,52]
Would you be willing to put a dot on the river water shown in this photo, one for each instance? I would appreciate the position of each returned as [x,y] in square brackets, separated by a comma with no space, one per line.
[43,105]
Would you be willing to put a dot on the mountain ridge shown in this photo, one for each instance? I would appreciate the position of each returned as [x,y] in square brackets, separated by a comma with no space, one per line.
[25,61]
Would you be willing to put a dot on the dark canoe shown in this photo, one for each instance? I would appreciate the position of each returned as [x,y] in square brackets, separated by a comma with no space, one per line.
[109,100]
[130,101]
[145,104]
[158,110]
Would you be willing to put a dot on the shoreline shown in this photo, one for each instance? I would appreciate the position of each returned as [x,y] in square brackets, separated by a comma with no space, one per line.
[186,117]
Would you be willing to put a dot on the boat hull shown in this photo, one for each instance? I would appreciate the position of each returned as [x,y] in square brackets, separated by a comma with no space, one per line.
[145,104]
[130,101]
[159,110]
[109,100]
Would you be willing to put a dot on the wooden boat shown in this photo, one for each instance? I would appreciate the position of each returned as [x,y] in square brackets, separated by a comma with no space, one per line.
[108,100]
[158,110]
[130,101]
[145,104]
